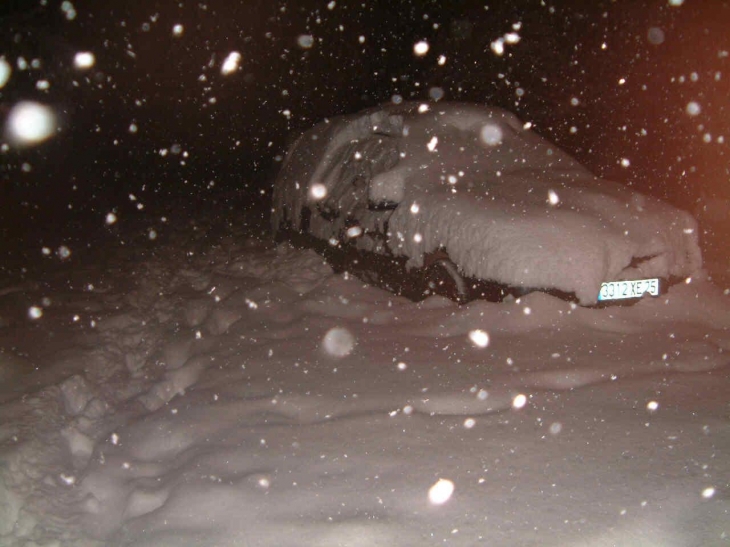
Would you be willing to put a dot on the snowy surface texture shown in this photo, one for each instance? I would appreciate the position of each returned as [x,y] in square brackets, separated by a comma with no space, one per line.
[506,205]
[226,392]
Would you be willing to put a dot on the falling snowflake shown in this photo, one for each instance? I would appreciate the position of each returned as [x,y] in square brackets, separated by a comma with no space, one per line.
[338,342]
[479,338]
[30,123]
[421,48]
[318,190]
[5,71]
[491,135]
[305,41]
[693,108]
[519,401]
[231,63]
[441,491]
[84,60]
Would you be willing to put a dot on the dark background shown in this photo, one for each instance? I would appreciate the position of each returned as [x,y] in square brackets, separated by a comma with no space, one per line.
[234,129]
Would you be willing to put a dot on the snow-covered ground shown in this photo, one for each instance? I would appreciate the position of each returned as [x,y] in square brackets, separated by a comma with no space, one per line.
[208,388]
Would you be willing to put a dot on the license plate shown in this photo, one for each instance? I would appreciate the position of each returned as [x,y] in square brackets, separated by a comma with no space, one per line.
[636,288]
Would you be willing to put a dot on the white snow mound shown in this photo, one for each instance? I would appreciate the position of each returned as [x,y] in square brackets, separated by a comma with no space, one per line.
[505,204]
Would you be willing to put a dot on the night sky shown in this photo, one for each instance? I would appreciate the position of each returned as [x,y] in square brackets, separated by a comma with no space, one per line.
[609,81]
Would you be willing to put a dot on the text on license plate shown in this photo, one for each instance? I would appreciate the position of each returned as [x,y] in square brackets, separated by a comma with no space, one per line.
[636,288]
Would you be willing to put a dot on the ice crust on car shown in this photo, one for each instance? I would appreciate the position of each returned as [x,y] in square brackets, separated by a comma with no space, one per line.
[504,203]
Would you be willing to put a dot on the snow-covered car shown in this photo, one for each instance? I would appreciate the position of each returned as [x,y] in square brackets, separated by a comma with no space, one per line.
[403,189]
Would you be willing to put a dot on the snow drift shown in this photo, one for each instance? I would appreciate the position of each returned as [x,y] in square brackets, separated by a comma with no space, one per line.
[231,393]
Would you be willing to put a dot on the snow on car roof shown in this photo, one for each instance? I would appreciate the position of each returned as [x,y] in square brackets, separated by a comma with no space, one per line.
[504,203]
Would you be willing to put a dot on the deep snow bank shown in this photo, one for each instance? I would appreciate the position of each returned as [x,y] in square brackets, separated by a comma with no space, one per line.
[238,393]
